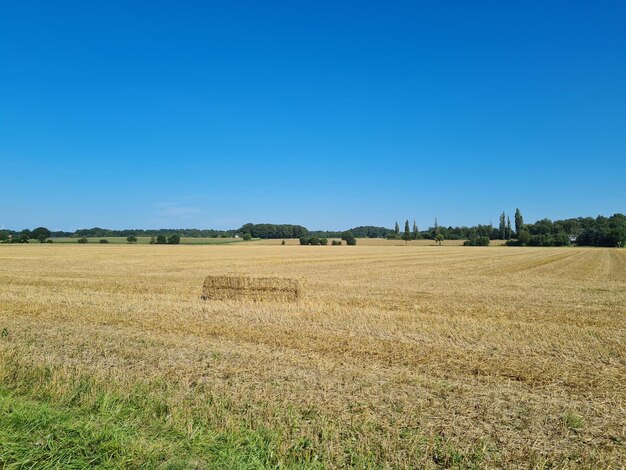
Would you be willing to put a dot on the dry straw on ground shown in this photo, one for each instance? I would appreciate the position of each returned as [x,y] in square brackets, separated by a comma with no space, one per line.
[397,357]
[240,287]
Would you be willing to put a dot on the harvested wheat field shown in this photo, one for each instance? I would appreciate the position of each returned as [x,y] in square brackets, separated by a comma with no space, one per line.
[395,357]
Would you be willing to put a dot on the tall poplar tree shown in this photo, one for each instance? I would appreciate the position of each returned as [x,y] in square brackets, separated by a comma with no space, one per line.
[407,232]
[508,228]
[502,227]
[416,232]
[519,222]
[397,229]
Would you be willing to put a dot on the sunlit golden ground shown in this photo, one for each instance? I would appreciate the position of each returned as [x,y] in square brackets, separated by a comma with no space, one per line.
[397,356]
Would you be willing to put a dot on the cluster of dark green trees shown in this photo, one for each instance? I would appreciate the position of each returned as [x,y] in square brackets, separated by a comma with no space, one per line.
[42,234]
[313,241]
[346,236]
[273,231]
[583,231]
[173,239]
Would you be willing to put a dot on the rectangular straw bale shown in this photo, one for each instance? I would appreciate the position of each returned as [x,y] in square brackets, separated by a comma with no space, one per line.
[235,287]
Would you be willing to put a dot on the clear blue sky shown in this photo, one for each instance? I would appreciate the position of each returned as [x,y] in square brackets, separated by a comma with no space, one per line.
[328,114]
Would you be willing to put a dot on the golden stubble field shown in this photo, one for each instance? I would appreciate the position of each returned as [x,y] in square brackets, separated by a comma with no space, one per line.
[396,356]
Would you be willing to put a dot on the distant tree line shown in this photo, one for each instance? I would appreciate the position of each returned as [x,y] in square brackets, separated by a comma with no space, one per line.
[364,231]
[98,232]
[41,234]
[584,231]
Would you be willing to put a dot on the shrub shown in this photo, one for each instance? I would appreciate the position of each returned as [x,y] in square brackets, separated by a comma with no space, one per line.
[477,241]
[82,240]
[314,241]
[336,242]
[351,241]
[131,239]
[547,240]
[541,240]
[283,242]
[152,240]
[49,241]
[161,240]
[304,241]
[247,237]
[173,239]
[104,240]
[323,241]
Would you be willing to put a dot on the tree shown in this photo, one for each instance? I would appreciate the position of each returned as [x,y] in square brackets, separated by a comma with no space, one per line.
[407,232]
[436,227]
[519,222]
[502,227]
[41,234]
[523,237]
[131,239]
[439,239]
[152,240]
[347,235]
[161,240]
[82,240]
[173,239]
[351,241]
[561,239]
[247,237]
[508,228]
[416,232]
[104,240]
[396,230]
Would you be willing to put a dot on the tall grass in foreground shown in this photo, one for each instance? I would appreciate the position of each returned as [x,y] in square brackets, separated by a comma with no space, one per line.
[56,418]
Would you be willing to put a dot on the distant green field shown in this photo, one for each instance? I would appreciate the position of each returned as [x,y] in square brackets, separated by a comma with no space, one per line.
[146,240]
